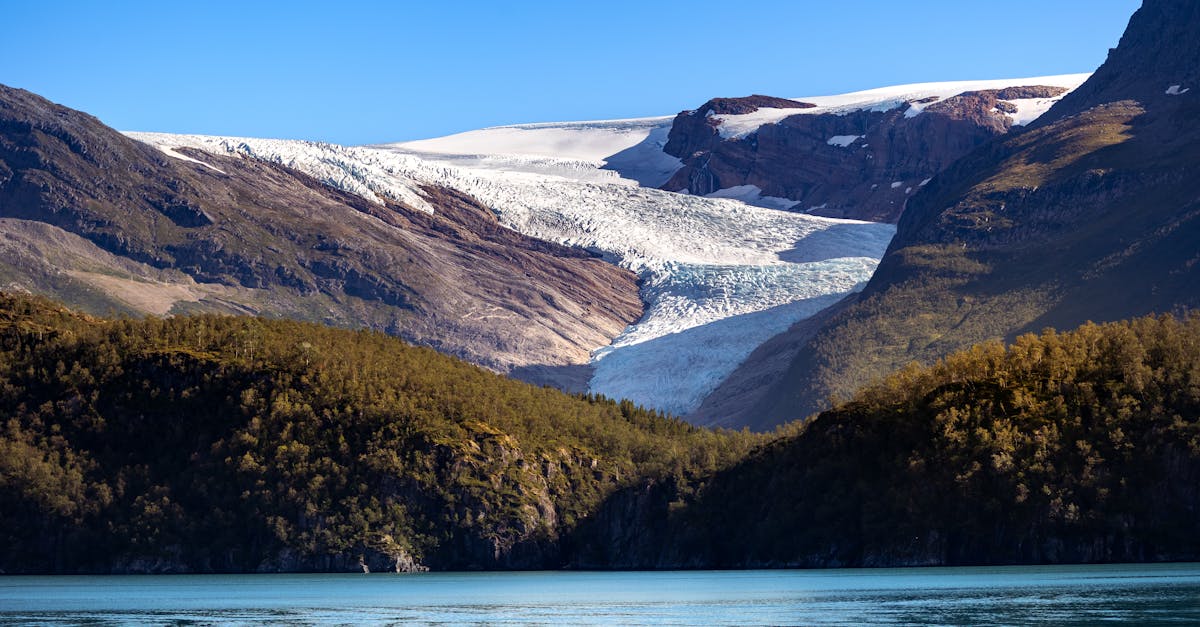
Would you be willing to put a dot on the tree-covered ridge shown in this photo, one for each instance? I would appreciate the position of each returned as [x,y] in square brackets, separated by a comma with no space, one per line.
[1064,447]
[233,443]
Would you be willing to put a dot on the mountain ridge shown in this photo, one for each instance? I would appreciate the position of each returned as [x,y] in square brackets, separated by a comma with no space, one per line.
[248,235]
[1089,214]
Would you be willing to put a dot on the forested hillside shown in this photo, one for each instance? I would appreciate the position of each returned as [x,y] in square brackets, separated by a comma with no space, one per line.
[1093,213]
[238,444]
[1065,447]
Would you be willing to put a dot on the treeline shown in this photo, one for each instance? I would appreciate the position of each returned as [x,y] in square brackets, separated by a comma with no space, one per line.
[217,443]
[1065,447]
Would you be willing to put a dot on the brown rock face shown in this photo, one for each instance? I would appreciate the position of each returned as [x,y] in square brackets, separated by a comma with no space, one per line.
[695,131]
[106,223]
[871,177]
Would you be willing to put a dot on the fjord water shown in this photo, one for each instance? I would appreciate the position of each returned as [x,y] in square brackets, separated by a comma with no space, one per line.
[1144,594]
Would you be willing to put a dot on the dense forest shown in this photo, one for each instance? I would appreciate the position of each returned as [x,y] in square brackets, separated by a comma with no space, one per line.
[220,443]
[1064,447]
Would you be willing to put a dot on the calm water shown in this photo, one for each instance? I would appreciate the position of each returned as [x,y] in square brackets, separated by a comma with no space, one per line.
[1156,594]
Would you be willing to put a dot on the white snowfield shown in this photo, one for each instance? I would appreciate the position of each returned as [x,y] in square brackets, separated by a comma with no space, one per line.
[720,276]
[888,98]
[592,141]
[630,148]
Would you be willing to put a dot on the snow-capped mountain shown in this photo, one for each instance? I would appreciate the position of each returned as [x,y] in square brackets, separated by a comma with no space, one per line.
[912,99]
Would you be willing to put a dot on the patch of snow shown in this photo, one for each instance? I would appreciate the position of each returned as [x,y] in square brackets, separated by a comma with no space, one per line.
[1030,109]
[843,141]
[917,108]
[646,162]
[1174,90]
[907,190]
[719,276]
[752,195]
[897,184]
[337,166]
[170,152]
[925,182]
[741,125]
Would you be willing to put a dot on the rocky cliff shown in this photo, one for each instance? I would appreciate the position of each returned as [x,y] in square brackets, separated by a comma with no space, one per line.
[1091,214]
[111,224]
[863,161]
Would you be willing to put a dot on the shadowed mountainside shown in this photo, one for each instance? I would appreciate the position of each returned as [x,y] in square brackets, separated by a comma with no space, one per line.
[1091,214]
[1062,448]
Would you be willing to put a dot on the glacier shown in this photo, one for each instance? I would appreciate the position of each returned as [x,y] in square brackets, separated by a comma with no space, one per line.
[719,276]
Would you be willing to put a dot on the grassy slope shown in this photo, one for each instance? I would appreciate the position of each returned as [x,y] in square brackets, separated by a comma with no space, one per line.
[1094,217]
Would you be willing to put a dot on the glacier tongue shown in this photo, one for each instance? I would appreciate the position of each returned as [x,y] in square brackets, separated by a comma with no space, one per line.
[720,277]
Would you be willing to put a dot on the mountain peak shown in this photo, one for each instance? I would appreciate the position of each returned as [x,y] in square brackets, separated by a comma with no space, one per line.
[749,104]
[1158,58]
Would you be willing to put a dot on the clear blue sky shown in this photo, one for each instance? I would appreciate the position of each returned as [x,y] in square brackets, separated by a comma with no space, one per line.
[356,72]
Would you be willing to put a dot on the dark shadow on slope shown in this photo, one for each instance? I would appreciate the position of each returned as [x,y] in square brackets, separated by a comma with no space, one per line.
[830,243]
[570,378]
[646,162]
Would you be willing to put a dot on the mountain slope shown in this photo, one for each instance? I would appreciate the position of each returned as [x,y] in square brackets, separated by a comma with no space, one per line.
[110,223]
[1093,213]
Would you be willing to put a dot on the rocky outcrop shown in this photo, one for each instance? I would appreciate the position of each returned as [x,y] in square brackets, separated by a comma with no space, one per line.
[696,131]
[862,164]
[1093,213]
[146,232]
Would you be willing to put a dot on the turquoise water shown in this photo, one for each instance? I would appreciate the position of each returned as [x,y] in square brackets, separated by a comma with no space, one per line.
[1153,594]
